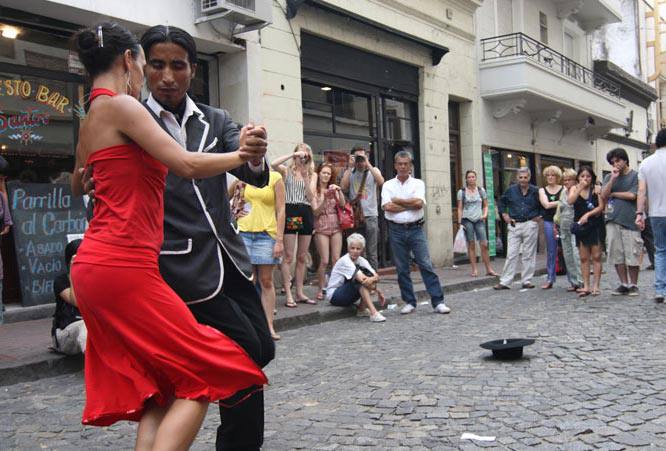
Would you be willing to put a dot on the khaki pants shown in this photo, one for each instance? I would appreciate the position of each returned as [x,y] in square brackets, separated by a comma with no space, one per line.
[522,239]
[72,339]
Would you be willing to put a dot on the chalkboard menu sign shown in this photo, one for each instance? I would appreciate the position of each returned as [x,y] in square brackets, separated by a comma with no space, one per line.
[43,214]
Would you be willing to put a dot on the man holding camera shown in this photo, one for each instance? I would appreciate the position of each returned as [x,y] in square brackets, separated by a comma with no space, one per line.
[361,181]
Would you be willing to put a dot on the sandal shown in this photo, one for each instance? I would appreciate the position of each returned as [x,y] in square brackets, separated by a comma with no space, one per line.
[584,293]
[547,286]
[275,336]
[572,288]
[290,304]
[307,301]
[595,292]
[320,295]
[492,274]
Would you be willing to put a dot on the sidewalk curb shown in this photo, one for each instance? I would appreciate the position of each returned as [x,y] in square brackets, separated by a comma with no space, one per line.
[51,364]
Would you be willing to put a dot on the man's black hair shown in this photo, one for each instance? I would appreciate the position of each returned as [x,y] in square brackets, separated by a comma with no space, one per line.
[71,249]
[358,147]
[166,33]
[618,153]
[661,138]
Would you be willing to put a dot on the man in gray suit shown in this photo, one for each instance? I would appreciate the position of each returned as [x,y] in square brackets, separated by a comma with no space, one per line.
[203,258]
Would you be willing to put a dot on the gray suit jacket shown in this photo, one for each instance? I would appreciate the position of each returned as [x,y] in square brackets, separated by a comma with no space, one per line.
[198,226]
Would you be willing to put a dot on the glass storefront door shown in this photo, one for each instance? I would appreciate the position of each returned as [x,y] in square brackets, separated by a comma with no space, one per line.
[335,119]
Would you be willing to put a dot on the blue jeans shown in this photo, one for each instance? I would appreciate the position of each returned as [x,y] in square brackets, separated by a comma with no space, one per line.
[551,249]
[412,239]
[659,231]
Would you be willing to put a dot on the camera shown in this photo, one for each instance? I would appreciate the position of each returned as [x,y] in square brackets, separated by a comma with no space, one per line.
[359,159]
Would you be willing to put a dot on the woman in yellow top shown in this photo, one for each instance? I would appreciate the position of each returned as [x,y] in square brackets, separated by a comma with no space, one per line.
[261,225]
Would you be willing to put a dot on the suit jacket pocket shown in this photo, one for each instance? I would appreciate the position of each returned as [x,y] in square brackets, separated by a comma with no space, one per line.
[176,247]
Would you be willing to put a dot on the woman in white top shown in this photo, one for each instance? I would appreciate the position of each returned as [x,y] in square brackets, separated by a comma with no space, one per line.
[352,278]
[300,183]
[472,214]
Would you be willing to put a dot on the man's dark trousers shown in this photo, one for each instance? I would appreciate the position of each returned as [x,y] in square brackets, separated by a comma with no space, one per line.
[237,312]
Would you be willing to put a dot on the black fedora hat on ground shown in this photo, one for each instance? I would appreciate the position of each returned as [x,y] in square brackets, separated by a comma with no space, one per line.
[507,348]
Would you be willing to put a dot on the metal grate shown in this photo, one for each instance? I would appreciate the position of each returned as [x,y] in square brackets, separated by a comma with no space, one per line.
[246,4]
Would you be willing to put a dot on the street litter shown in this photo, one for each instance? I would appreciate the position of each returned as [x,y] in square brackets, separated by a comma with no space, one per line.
[424,303]
[481,438]
[391,306]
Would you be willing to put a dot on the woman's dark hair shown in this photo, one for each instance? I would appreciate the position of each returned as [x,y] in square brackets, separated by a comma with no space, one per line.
[589,169]
[71,250]
[99,46]
[166,33]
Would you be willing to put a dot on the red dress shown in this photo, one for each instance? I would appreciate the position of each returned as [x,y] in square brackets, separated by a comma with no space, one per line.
[143,341]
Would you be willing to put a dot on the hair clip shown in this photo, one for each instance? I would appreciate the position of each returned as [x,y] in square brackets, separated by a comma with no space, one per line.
[100,36]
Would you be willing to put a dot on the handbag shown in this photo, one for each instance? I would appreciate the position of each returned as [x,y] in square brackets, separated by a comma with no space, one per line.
[345,216]
[355,204]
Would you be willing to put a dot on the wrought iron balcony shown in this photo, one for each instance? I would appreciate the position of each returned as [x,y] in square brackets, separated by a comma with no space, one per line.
[520,45]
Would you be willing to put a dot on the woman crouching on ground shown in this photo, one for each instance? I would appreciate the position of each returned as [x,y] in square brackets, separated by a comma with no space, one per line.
[352,278]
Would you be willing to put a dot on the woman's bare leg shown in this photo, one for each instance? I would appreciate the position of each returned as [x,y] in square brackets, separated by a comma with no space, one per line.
[268,295]
[285,266]
[301,260]
[596,267]
[180,425]
[485,256]
[147,430]
[323,246]
[584,252]
[366,300]
[336,248]
[471,253]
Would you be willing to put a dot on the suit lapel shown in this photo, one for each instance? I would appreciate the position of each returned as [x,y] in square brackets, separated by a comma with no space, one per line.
[197,132]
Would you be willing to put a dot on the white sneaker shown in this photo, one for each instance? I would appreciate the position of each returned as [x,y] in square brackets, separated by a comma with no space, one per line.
[363,312]
[377,318]
[407,309]
[442,308]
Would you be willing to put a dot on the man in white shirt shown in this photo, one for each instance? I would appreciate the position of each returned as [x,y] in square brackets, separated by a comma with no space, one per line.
[403,200]
[652,183]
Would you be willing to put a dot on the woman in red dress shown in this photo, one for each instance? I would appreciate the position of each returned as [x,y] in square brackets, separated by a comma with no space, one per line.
[147,359]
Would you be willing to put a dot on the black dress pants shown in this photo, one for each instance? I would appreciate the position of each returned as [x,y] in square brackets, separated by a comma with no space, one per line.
[237,312]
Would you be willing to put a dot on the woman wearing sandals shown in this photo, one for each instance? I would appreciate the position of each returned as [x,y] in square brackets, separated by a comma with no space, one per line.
[261,226]
[328,234]
[299,184]
[472,214]
[549,196]
[588,207]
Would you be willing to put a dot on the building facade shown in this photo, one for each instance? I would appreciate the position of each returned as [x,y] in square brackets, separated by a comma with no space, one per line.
[333,73]
[555,89]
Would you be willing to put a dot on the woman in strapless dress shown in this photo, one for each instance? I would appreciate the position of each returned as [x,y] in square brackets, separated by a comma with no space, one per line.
[147,359]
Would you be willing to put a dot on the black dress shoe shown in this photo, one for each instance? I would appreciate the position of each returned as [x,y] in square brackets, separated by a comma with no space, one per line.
[528,285]
[499,286]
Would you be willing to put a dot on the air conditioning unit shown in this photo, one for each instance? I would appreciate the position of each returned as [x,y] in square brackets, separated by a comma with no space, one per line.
[249,14]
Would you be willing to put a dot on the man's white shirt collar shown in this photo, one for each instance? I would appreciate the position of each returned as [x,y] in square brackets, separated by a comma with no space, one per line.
[190,108]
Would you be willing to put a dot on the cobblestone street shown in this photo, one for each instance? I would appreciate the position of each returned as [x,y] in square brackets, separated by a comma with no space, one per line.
[593,379]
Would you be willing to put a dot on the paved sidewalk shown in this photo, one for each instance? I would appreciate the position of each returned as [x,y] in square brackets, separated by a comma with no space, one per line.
[24,346]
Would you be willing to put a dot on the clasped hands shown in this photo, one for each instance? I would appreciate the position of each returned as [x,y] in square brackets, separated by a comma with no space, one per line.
[253,143]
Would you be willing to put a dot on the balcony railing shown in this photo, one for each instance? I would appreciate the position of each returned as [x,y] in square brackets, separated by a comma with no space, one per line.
[519,44]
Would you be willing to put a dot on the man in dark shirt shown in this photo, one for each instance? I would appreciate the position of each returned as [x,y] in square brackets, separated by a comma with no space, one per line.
[521,210]
[69,333]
